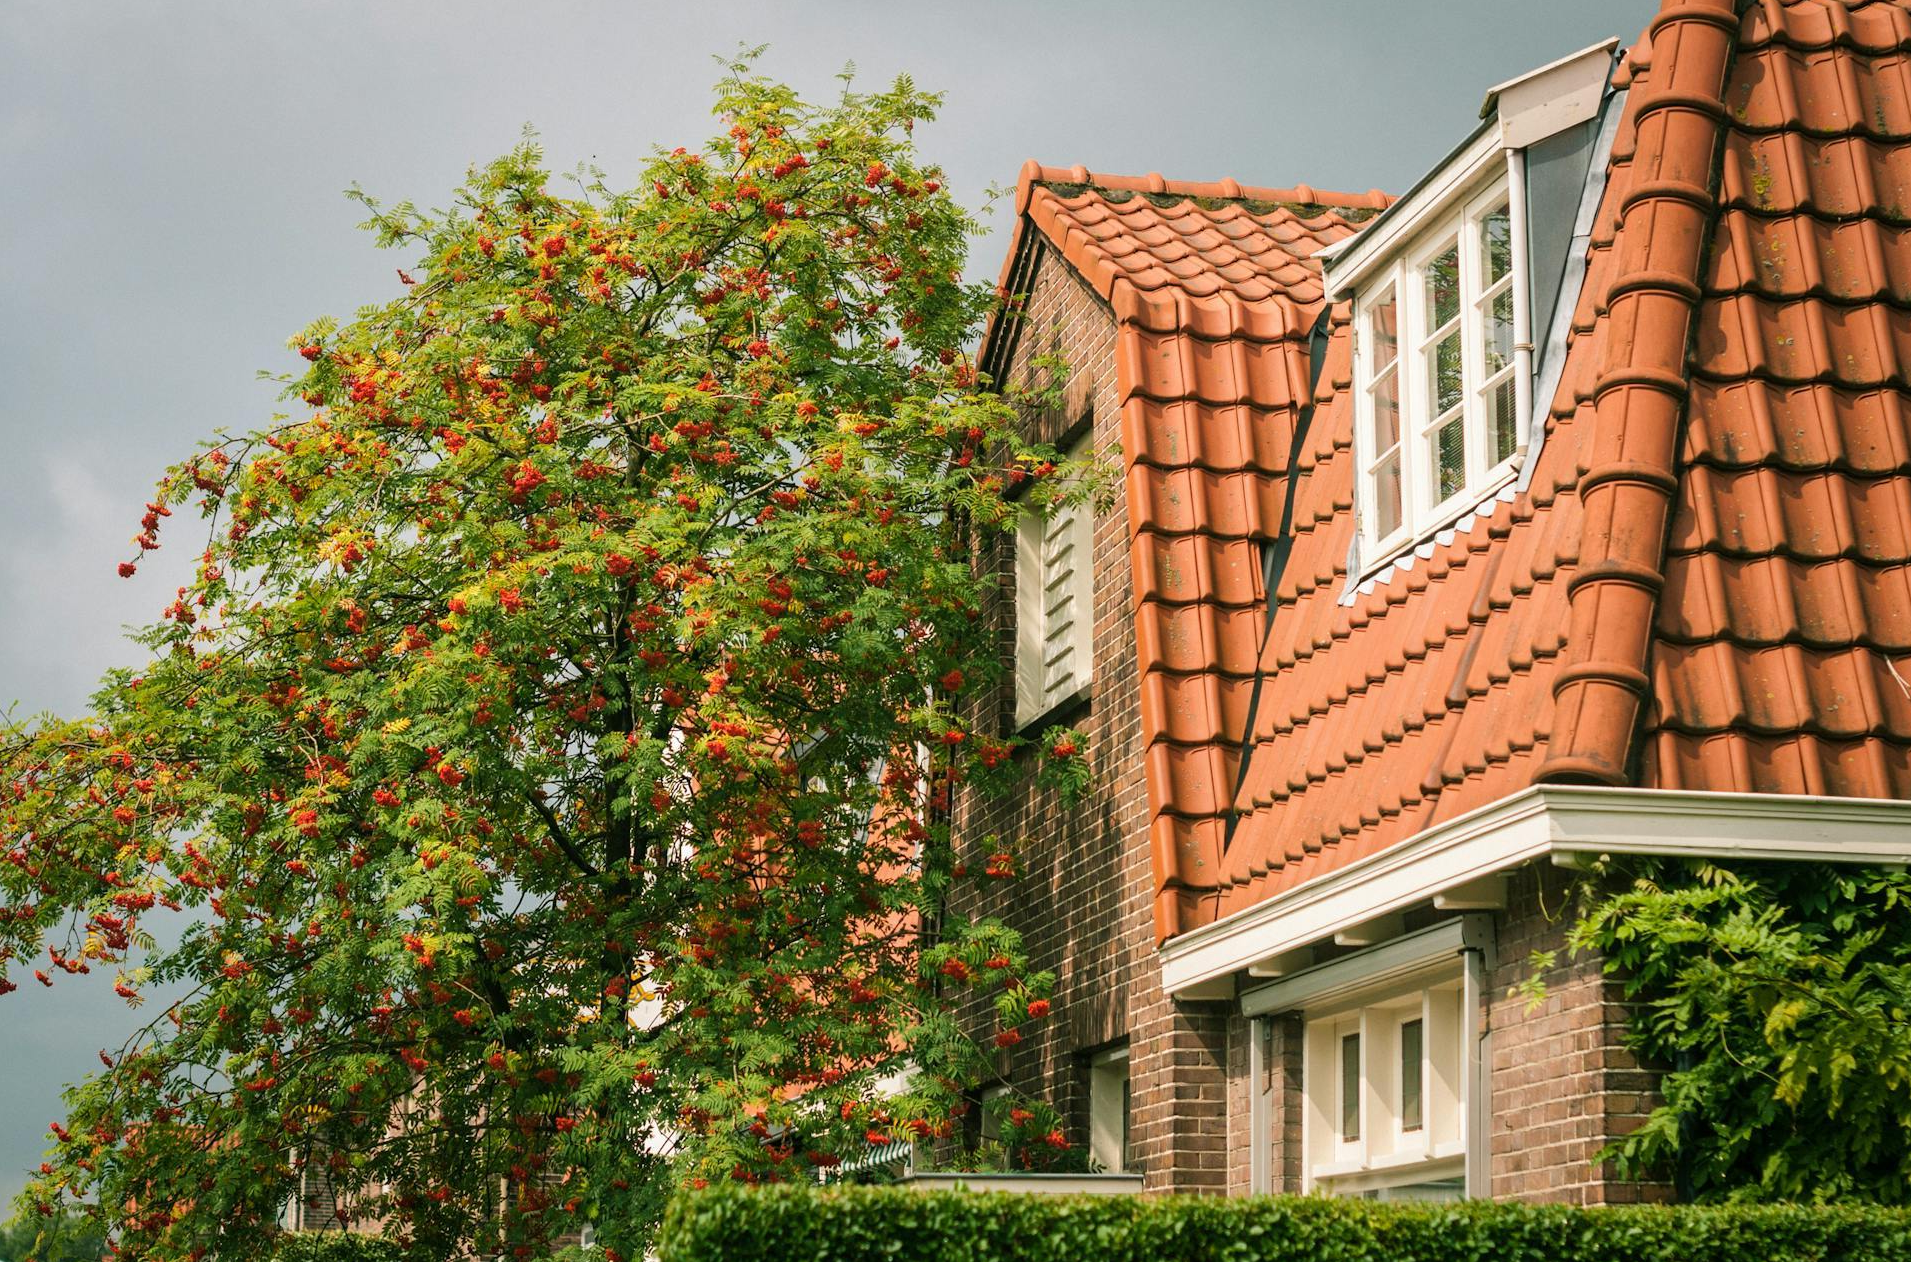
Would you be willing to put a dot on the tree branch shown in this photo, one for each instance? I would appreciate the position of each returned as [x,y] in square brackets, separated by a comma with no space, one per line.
[562,838]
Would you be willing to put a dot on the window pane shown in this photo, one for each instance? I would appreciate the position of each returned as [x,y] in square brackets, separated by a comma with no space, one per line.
[1386,412]
[1386,325]
[1502,421]
[1387,495]
[1350,1087]
[1449,458]
[1496,244]
[1498,337]
[1443,373]
[1443,286]
[1410,1075]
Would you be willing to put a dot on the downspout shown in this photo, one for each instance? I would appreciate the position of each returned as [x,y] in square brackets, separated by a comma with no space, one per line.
[1523,298]
[1260,1173]
[1476,1073]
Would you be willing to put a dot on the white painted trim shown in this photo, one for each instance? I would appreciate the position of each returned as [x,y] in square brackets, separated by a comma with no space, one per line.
[1260,1110]
[1558,95]
[1443,190]
[1538,822]
[1010,1181]
[1476,1055]
[1423,516]
[1385,967]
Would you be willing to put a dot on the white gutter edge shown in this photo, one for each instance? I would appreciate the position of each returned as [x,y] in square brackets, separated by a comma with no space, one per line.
[1544,820]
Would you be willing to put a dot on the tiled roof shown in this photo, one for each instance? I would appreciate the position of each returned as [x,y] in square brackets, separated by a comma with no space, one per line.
[1787,590]
[1707,578]
[1214,294]
[1518,650]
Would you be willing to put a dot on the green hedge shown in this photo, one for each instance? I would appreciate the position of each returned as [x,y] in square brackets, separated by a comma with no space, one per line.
[333,1246]
[878,1224]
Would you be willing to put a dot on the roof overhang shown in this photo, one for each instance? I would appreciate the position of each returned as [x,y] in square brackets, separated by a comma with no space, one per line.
[1566,824]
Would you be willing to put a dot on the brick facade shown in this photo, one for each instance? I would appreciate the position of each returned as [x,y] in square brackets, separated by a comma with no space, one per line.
[1561,1083]
[1083,900]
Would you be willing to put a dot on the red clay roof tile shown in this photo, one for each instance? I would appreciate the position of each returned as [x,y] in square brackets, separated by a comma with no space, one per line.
[1449,669]
[1787,596]
[1707,580]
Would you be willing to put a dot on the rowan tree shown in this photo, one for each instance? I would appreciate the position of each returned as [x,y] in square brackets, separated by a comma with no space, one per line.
[550,754]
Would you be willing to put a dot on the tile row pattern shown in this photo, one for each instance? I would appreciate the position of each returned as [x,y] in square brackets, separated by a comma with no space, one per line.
[1781,642]
[1706,583]
[1519,650]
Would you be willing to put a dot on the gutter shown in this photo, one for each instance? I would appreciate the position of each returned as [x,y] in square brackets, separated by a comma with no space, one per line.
[1569,825]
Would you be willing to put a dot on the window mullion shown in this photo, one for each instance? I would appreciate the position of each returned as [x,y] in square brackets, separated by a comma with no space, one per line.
[1414,470]
[1364,445]
[1472,353]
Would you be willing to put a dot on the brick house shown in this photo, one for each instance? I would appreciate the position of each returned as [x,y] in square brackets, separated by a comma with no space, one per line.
[1559,507]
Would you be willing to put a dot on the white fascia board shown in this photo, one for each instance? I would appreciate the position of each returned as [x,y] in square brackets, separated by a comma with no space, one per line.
[1371,969]
[1546,101]
[1344,266]
[1542,821]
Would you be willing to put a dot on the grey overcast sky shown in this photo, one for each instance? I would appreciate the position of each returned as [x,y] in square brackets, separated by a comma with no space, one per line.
[170,212]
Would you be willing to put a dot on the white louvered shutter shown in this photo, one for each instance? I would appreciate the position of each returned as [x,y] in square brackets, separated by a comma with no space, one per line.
[1054,607]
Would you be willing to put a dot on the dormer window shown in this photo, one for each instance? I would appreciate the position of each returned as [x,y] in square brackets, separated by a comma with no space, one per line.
[1448,285]
[1439,412]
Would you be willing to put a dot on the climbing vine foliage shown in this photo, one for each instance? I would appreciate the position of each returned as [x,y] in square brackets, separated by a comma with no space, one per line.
[546,763]
[1779,998]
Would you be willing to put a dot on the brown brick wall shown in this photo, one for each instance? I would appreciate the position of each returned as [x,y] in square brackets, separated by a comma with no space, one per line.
[1563,1083]
[1241,1087]
[1083,899]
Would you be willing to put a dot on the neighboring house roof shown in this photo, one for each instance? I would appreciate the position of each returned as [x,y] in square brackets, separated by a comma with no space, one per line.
[1708,574]
[1214,294]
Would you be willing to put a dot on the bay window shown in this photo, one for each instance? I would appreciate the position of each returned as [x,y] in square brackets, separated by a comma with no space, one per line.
[1391,1049]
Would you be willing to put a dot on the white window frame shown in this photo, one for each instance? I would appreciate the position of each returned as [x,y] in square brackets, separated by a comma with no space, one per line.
[1109,1104]
[1402,279]
[1386,1159]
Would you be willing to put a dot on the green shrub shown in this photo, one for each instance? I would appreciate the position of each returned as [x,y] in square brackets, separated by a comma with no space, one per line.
[1776,994]
[333,1246]
[575,1253]
[899,1225]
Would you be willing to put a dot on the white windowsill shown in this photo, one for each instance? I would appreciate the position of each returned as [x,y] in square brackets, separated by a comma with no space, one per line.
[1388,1169]
[1398,554]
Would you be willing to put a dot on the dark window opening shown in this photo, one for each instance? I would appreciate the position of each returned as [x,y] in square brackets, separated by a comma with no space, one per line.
[1411,1074]
[1350,1087]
